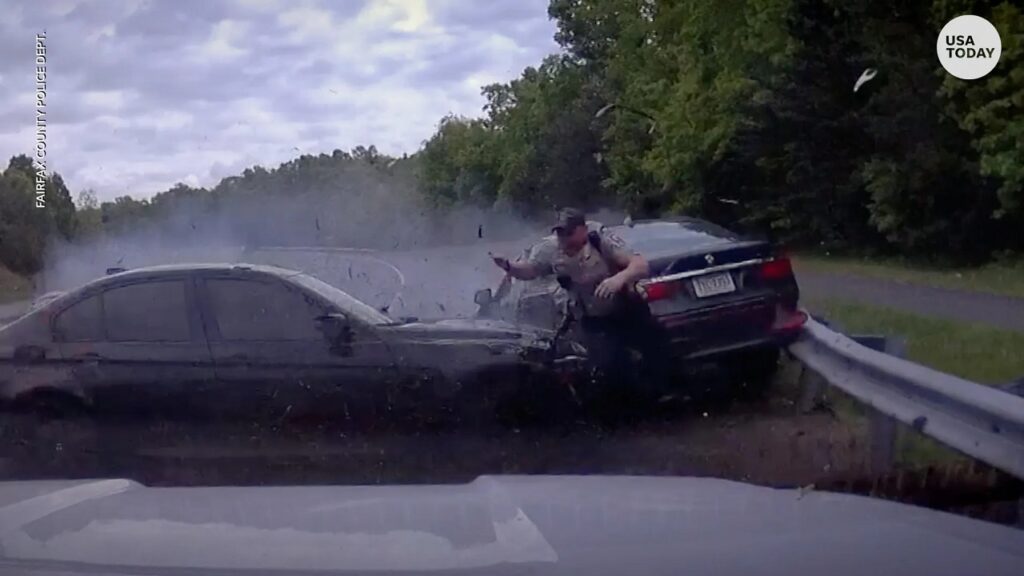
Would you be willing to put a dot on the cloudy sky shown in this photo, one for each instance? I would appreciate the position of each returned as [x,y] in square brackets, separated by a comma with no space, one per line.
[145,93]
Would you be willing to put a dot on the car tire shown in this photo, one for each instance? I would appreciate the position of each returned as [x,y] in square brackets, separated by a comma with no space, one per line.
[55,428]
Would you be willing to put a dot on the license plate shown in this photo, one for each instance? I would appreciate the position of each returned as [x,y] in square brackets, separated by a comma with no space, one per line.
[713,285]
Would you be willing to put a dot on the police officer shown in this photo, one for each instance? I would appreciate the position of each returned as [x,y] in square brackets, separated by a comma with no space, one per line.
[598,270]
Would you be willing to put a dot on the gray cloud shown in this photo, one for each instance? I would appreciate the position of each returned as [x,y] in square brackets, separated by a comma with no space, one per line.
[145,93]
[489,14]
[180,18]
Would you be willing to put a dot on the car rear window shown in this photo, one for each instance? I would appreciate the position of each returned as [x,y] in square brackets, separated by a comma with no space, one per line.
[660,236]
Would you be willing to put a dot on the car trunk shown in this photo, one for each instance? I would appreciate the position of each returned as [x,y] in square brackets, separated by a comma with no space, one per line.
[719,295]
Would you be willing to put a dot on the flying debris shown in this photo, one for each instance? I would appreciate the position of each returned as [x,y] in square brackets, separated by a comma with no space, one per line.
[604,110]
[866,76]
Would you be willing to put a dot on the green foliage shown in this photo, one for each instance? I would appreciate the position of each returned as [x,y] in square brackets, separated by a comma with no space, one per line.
[458,164]
[23,227]
[87,215]
[743,111]
[991,109]
[534,150]
[26,225]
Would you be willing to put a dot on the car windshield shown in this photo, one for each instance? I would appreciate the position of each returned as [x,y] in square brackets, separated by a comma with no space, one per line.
[438,285]
[345,302]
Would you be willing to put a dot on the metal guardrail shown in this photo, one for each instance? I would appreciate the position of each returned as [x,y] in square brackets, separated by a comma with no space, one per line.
[983,422]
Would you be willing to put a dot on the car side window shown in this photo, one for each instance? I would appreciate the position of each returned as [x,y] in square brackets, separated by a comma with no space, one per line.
[147,312]
[82,322]
[261,311]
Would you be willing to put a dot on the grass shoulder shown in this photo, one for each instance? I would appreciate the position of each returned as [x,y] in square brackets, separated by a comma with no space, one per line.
[973,351]
[1005,278]
[13,287]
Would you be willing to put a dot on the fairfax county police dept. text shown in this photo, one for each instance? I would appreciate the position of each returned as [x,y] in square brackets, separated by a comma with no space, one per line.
[40,159]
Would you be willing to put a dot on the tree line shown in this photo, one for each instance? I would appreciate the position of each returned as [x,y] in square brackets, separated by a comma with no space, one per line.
[359,198]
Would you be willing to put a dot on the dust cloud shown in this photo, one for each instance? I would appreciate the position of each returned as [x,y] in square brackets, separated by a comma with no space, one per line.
[371,235]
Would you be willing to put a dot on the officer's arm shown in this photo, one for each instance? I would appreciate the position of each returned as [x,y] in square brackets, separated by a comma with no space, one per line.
[524,270]
[537,263]
[632,265]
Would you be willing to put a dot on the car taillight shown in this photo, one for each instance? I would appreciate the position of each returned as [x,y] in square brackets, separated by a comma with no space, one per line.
[659,290]
[777,269]
[788,320]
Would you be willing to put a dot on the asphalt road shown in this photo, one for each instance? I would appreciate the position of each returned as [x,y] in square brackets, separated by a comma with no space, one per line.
[990,309]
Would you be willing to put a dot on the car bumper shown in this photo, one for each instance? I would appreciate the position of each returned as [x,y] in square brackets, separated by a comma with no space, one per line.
[721,330]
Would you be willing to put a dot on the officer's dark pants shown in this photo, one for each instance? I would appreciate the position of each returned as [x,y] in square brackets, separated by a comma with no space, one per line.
[610,342]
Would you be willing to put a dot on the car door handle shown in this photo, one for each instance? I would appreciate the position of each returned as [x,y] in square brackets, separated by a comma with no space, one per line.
[238,358]
[88,356]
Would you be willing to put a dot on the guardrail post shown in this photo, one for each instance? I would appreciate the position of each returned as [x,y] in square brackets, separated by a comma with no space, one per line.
[812,390]
[812,384]
[980,421]
[883,428]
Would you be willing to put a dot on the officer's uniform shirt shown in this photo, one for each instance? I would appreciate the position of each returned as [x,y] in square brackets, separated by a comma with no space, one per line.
[587,268]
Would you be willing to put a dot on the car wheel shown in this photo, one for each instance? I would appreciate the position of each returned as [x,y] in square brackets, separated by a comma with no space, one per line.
[55,428]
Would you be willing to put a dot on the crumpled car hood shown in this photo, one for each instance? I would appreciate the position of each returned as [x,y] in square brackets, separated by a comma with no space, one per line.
[467,328]
[537,525]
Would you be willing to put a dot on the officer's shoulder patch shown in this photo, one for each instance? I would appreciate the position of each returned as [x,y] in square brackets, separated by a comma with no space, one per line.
[612,238]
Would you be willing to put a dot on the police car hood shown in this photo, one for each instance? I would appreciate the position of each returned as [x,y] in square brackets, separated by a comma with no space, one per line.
[493,525]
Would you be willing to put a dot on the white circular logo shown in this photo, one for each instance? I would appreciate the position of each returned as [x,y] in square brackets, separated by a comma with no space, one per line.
[969,47]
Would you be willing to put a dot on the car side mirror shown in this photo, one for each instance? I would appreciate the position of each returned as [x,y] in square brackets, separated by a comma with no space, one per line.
[483,297]
[336,328]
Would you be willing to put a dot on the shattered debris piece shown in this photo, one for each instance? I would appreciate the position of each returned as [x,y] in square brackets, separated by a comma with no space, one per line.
[804,490]
[919,423]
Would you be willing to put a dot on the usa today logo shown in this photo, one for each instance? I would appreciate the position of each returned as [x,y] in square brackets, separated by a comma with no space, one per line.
[969,47]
